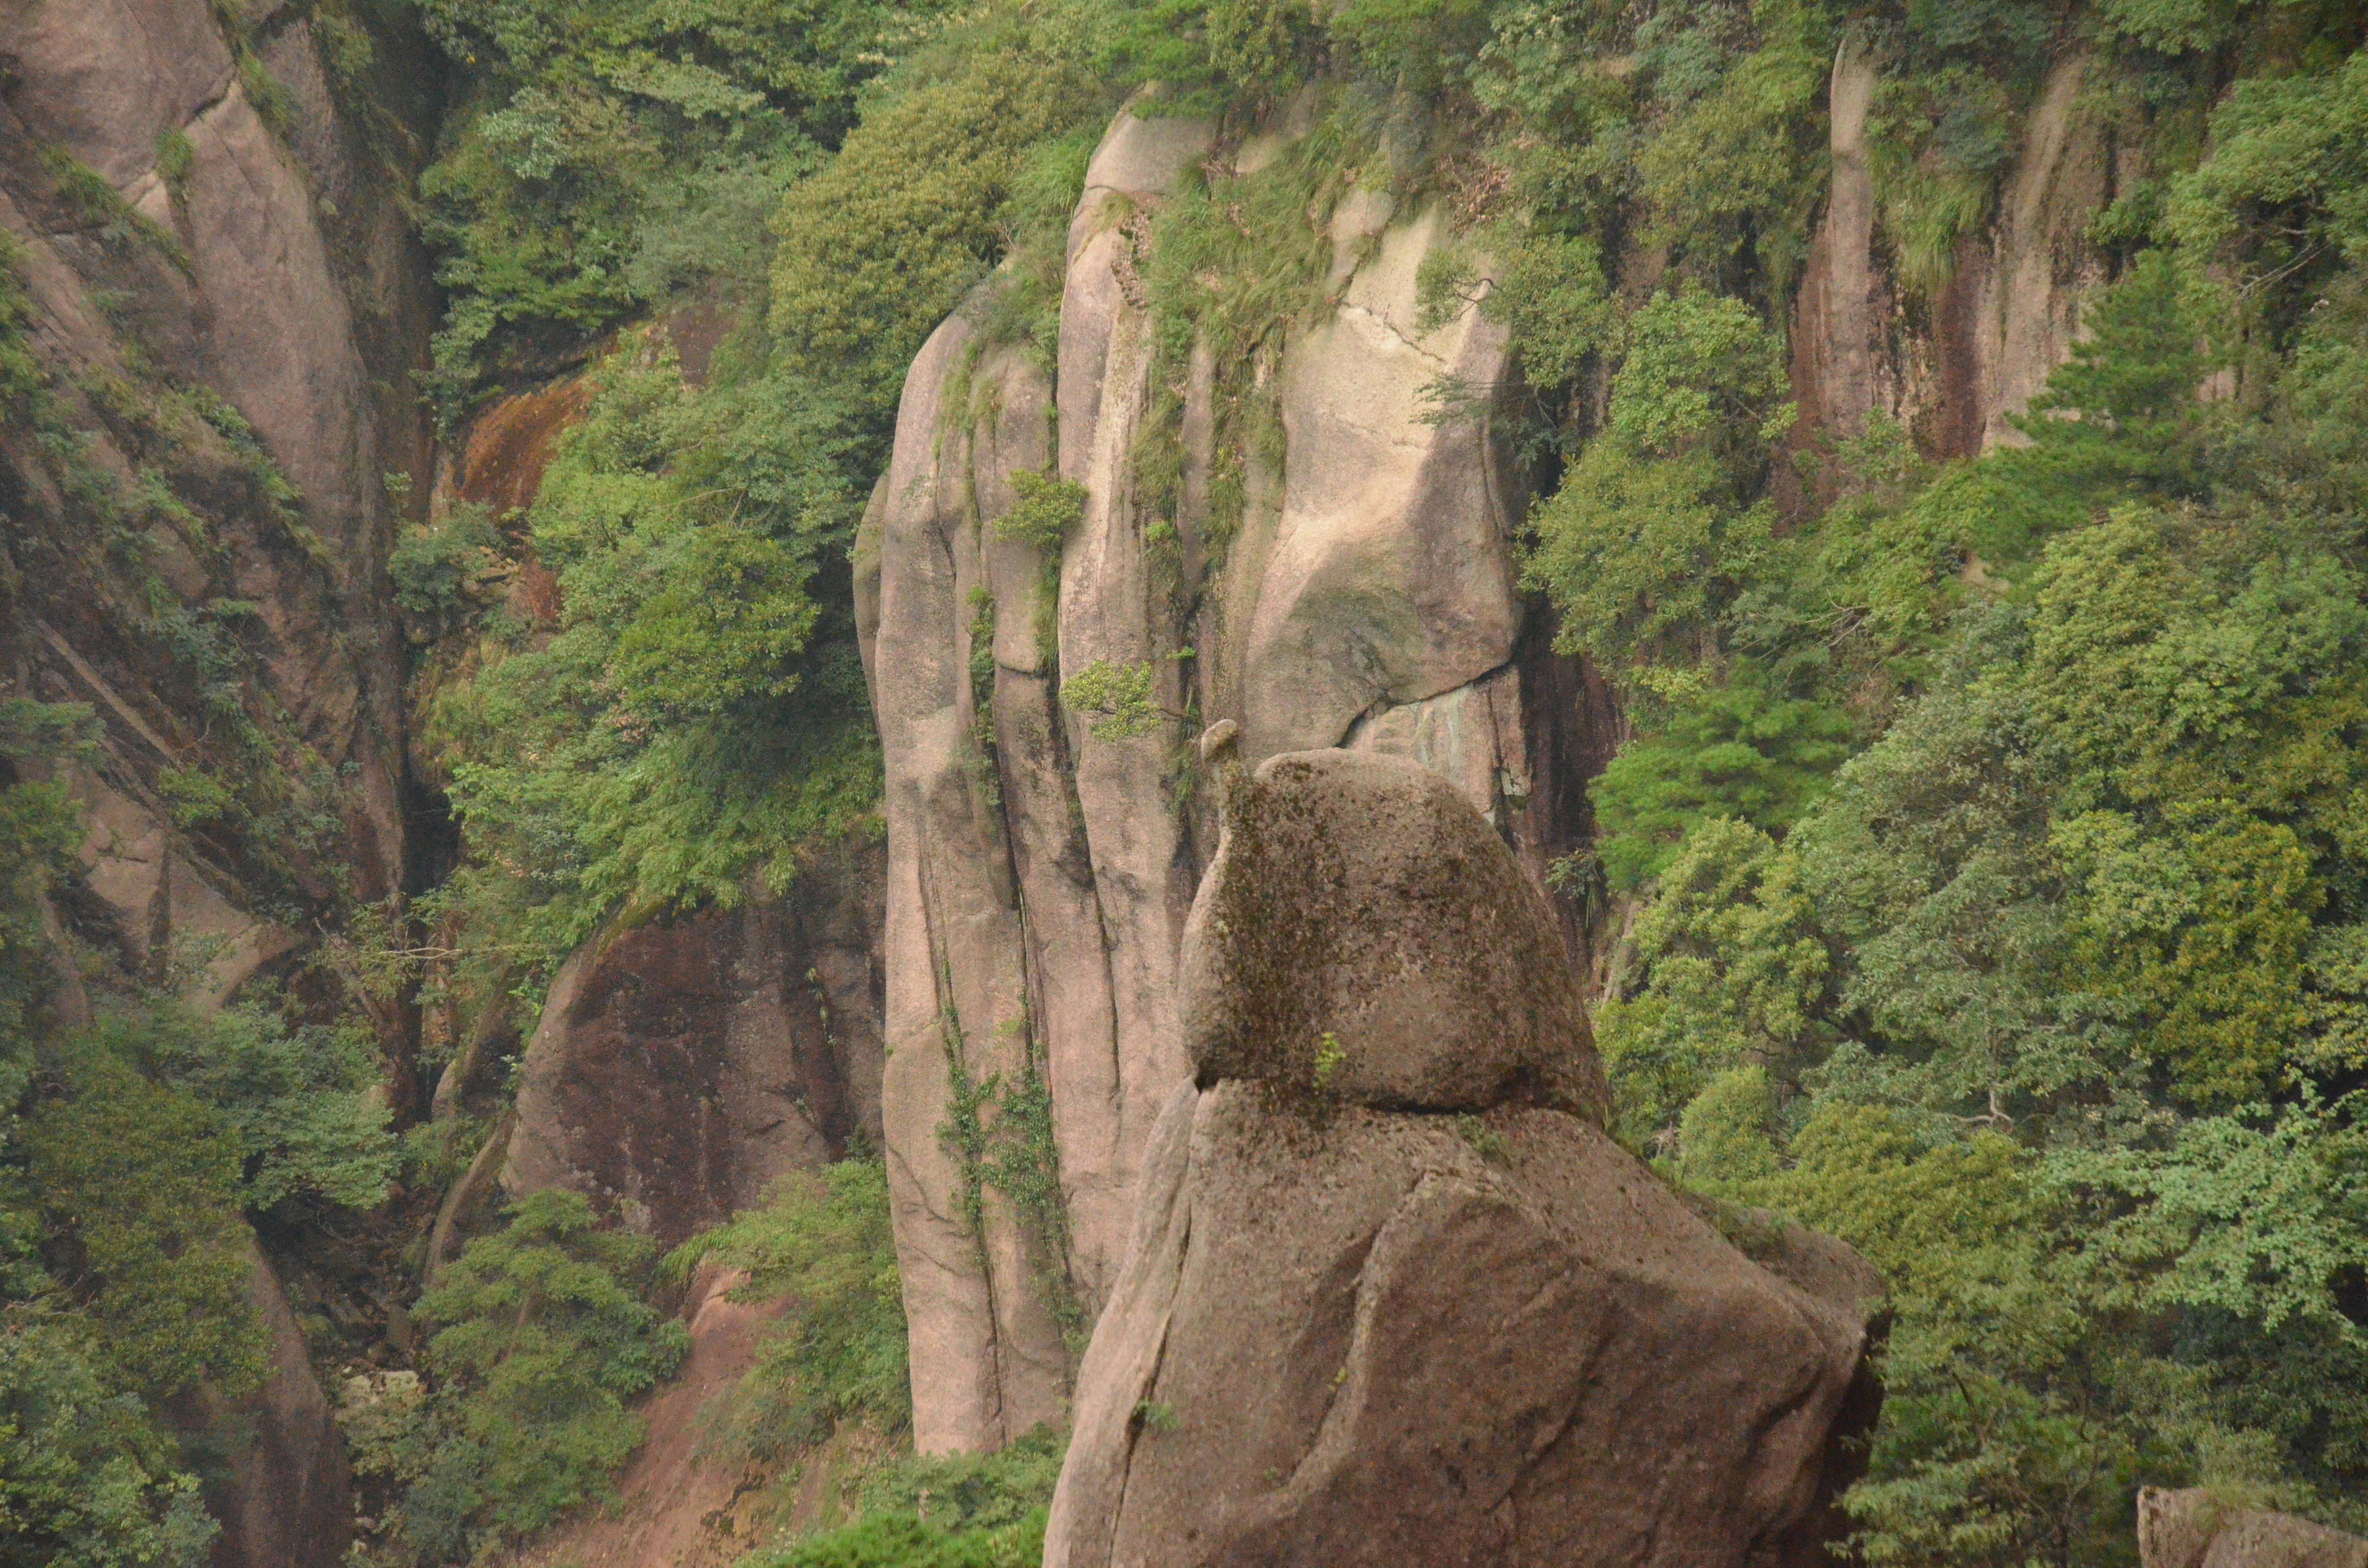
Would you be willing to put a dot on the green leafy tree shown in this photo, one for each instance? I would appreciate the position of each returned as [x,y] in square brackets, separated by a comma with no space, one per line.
[85,1478]
[699,714]
[606,156]
[1653,530]
[823,1242]
[304,1106]
[538,1339]
[1738,967]
[876,249]
[954,1511]
[137,1186]
[1734,751]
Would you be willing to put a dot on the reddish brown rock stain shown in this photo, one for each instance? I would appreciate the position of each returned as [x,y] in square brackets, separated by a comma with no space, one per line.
[509,445]
[502,465]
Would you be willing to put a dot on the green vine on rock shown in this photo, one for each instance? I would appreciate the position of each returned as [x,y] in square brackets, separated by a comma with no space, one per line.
[982,698]
[1048,510]
[1001,1139]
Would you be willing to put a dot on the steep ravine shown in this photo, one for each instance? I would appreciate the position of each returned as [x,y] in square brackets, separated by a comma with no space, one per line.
[226,302]
[1024,919]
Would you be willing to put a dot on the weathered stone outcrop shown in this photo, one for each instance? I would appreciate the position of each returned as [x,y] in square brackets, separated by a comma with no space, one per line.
[1347,1332]
[1039,875]
[2195,1528]
[173,238]
[681,1067]
[1954,367]
[961,1010]
[1341,880]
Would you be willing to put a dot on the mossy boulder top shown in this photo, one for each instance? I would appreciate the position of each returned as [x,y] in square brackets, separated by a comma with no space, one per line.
[1364,934]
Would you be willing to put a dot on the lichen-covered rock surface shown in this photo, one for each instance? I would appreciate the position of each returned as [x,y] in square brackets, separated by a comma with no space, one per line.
[1364,932]
[2195,1529]
[1347,1335]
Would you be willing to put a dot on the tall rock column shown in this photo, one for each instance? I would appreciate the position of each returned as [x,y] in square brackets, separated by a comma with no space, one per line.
[1041,874]
[981,1285]
[1109,1082]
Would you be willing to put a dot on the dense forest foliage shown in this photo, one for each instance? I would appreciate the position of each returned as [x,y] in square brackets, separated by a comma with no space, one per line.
[1985,872]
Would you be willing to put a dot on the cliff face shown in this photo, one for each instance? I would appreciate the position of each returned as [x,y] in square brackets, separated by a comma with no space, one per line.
[1953,367]
[226,302]
[681,1067]
[220,304]
[1038,873]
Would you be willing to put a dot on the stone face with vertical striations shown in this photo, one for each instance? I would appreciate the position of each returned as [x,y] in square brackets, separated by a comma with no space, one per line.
[1041,875]
[987,1353]
[1366,597]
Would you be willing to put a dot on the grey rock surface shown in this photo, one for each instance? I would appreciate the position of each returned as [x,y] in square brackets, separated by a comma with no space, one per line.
[1366,597]
[1954,359]
[277,275]
[987,1353]
[282,1492]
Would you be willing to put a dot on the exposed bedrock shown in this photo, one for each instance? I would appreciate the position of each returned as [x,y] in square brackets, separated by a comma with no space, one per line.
[1957,365]
[1349,1332]
[224,302]
[682,1067]
[1039,875]
[269,265]
[2196,1528]
[1364,933]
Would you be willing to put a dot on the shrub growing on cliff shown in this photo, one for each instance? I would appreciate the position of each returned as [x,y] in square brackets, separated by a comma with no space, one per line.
[821,1240]
[86,1480]
[304,1106]
[1735,750]
[902,1540]
[1658,527]
[699,714]
[603,157]
[955,1511]
[877,249]
[138,1187]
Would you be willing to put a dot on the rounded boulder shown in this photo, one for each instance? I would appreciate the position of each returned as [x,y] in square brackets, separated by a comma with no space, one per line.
[1364,935]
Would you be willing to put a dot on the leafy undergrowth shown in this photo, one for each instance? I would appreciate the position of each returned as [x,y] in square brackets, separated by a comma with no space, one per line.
[960,1511]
